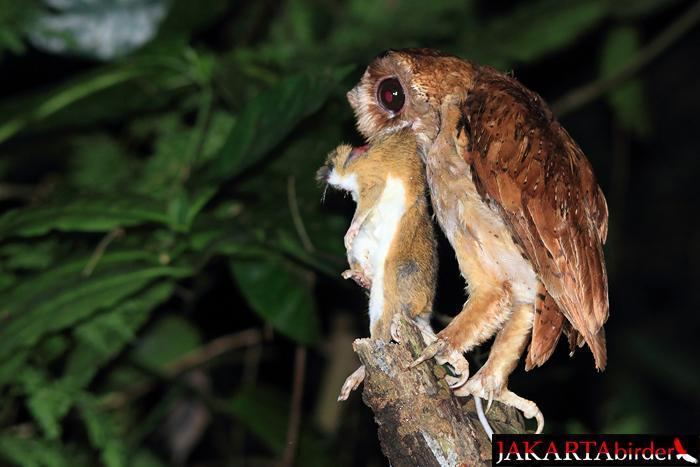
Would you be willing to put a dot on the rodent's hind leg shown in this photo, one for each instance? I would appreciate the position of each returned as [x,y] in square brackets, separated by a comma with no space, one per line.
[352,382]
[359,277]
[423,324]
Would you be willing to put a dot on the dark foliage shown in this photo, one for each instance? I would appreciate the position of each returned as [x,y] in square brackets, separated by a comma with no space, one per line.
[164,252]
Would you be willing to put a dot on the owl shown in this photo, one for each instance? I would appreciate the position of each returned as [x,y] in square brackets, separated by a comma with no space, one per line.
[516,198]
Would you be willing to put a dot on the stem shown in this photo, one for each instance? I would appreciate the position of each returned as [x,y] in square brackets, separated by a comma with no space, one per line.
[589,92]
[290,448]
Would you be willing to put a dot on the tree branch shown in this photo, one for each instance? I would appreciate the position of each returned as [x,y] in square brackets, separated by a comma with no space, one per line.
[589,92]
[420,421]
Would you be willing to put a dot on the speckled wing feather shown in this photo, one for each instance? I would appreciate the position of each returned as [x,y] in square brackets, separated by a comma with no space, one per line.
[528,167]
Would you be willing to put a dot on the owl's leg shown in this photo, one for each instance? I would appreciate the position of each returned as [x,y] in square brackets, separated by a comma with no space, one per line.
[490,382]
[482,315]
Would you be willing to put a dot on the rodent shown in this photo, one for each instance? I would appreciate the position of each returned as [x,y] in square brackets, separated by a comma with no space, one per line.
[391,246]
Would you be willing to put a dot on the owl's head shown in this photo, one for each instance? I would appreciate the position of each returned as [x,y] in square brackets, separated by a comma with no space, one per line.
[404,89]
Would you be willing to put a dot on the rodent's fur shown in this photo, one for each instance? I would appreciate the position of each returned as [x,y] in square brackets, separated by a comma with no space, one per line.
[410,265]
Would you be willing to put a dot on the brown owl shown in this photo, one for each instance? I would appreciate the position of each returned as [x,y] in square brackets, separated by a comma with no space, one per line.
[517,200]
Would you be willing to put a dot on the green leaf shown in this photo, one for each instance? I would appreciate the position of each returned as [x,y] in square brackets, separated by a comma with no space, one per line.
[102,431]
[269,118]
[12,366]
[35,108]
[29,255]
[95,213]
[52,302]
[47,402]
[14,18]
[100,164]
[101,338]
[627,100]
[98,340]
[278,291]
[264,412]
[169,339]
[32,452]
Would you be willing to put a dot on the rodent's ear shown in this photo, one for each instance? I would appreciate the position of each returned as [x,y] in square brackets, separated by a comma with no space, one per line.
[324,172]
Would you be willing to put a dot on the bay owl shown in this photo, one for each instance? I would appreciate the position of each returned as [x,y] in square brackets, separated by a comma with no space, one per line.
[517,200]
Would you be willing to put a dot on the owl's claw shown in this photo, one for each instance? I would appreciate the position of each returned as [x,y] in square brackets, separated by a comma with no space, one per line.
[491,386]
[445,354]
[489,402]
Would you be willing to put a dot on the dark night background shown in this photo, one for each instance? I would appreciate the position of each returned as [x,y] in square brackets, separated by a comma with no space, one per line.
[166,263]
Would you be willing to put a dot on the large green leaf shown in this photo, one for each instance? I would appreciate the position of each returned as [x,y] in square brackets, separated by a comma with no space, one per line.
[271,116]
[101,338]
[88,213]
[278,291]
[33,452]
[103,433]
[169,339]
[53,302]
[98,341]
[627,100]
[46,402]
[265,412]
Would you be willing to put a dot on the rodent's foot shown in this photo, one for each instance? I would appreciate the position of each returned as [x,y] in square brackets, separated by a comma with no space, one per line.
[359,277]
[394,329]
[351,383]
[350,235]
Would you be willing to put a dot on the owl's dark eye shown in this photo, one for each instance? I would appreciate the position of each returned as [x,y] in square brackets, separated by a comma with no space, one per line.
[390,95]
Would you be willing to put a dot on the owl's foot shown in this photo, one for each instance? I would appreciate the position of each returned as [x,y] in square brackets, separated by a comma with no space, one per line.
[491,385]
[359,277]
[443,353]
[351,383]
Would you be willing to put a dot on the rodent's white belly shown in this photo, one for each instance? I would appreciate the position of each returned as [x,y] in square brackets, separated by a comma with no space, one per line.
[476,231]
[373,241]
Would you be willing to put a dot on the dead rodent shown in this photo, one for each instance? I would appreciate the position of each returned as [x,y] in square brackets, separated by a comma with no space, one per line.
[390,244]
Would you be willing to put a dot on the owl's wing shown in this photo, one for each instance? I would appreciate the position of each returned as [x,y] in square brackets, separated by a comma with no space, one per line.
[525,164]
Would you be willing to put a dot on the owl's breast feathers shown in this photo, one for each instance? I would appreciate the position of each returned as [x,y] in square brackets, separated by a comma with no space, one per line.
[528,166]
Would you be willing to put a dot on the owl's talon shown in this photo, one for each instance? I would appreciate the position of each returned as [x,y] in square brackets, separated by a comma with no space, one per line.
[489,403]
[444,354]
[527,407]
[455,382]
[490,386]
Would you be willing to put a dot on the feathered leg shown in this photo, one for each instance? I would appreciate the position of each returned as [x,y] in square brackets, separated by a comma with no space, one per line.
[491,381]
[481,317]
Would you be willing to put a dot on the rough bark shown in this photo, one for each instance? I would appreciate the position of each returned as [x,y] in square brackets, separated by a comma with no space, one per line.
[420,421]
